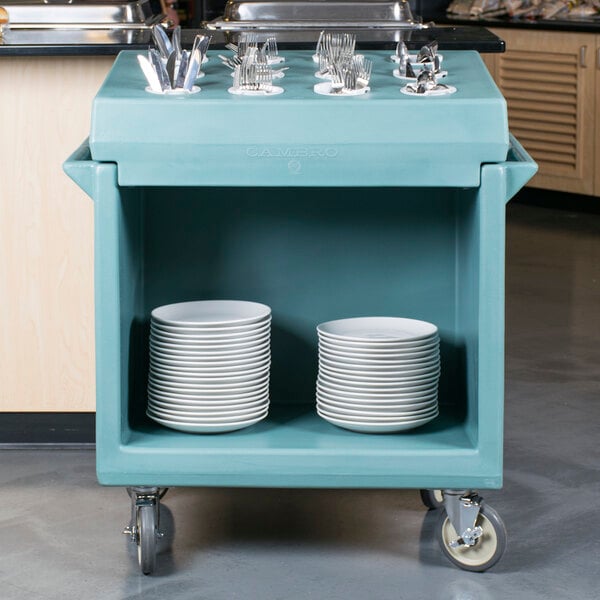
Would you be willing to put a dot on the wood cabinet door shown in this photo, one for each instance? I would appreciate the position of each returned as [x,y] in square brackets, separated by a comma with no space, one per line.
[597,118]
[548,80]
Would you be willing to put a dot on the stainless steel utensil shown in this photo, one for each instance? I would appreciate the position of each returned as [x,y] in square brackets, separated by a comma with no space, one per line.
[161,39]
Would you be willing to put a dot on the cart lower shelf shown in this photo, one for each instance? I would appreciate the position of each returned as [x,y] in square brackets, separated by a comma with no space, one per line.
[294,447]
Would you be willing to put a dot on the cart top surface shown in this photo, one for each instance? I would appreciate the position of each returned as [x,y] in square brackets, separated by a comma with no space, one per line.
[300,138]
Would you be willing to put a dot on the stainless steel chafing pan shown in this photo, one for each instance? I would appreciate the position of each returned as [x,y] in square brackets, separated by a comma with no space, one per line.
[315,14]
[79,14]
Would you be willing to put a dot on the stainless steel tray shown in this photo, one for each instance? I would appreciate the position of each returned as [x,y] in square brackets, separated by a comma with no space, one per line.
[79,14]
[315,14]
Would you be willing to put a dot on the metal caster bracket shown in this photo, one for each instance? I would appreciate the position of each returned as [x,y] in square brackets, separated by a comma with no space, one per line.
[462,508]
[144,496]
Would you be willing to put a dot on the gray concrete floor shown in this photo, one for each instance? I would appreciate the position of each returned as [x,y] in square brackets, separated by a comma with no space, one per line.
[59,530]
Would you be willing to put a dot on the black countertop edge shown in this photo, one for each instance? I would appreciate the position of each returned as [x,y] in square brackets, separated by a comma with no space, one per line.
[450,37]
[515,23]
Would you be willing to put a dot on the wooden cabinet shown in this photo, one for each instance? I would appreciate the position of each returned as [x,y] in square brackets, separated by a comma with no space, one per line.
[551,81]
[46,234]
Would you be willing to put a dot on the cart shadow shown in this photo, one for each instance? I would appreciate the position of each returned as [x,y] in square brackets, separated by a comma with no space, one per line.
[377,520]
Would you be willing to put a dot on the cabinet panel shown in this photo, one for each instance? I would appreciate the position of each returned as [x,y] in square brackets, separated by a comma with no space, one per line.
[46,235]
[548,80]
[597,118]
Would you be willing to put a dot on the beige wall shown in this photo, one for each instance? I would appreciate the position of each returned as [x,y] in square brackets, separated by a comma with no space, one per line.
[46,235]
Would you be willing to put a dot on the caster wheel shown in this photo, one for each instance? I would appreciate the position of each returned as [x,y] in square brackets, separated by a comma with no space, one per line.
[432,499]
[146,539]
[486,551]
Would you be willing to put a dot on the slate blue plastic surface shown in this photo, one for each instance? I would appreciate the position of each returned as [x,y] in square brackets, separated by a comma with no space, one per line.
[299,138]
[313,253]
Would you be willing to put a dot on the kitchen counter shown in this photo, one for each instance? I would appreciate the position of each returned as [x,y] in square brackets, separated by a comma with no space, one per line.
[97,43]
[516,23]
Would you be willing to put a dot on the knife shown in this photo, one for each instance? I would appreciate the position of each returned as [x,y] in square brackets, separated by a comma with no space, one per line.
[171,64]
[149,73]
[157,63]
[161,39]
[182,72]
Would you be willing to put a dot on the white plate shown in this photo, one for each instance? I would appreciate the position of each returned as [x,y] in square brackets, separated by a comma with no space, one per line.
[447,90]
[198,353]
[207,377]
[208,404]
[374,420]
[324,89]
[232,388]
[362,358]
[204,363]
[217,428]
[251,393]
[396,74]
[208,417]
[369,387]
[377,329]
[374,428]
[211,313]
[209,337]
[368,404]
[206,407]
[217,381]
[369,377]
[236,342]
[377,351]
[381,394]
[387,414]
[187,359]
[377,369]
[194,332]
[208,369]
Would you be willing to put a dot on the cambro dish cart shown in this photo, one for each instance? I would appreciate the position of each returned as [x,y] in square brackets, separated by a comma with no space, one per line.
[321,208]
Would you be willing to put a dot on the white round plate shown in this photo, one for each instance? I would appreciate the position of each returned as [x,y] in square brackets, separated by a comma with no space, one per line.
[208,403]
[382,394]
[208,416]
[204,363]
[194,332]
[253,392]
[381,428]
[211,313]
[378,329]
[206,407]
[374,420]
[377,369]
[379,377]
[389,359]
[204,369]
[225,343]
[255,375]
[344,412]
[209,337]
[198,354]
[379,348]
[232,388]
[206,377]
[370,387]
[217,428]
[216,355]
[376,404]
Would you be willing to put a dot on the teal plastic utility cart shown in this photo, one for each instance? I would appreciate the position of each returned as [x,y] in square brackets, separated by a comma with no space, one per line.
[322,208]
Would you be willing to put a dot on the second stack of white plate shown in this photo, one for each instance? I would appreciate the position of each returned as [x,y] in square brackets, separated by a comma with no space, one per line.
[209,365]
[378,374]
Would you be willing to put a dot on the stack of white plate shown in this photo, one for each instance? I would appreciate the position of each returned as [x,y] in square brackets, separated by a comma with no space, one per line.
[209,365]
[378,374]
